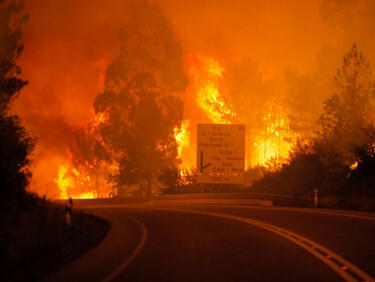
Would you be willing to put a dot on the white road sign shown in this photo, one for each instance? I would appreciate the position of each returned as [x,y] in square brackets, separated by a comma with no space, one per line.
[221,153]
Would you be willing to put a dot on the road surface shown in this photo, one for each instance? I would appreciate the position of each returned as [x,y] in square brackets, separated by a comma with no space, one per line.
[204,238]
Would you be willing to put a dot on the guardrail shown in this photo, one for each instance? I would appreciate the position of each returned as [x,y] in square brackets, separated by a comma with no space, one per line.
[277,199]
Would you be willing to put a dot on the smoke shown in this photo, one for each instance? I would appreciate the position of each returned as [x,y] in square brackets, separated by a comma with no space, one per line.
[69,44]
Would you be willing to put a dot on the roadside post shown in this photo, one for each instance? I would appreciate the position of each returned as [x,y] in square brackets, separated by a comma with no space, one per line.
[316,197]
[68,212]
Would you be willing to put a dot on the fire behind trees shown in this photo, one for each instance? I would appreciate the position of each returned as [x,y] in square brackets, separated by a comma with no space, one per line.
[141,102]
[145,77]
[33,234]
[340,157]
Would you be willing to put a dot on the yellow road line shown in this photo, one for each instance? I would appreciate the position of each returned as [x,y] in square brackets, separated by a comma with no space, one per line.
[342,267]
[134,253]
[293,209]
[244,206]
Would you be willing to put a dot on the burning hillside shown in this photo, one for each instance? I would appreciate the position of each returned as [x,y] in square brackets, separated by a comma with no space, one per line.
[88,179]
[86,83]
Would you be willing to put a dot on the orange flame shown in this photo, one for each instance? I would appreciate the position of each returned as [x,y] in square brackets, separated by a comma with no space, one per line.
[275,141]
[63,182]
[97,121]
[87,181]
[182,136]
[68,179]
[207,78]
[270,145]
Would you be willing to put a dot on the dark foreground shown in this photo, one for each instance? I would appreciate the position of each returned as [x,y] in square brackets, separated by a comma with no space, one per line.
[200,239]
[39,242]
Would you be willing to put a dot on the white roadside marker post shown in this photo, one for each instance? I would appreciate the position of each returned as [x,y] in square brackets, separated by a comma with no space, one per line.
[316,198]
[68,212]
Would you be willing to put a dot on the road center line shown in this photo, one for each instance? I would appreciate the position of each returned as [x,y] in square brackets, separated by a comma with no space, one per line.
[244,206]
[300,210]
[342,267]
[133,254]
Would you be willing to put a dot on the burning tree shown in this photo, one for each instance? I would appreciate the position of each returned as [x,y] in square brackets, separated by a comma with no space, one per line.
[259,106]
[90,171]
[15,144]
[206,76]
[141,100]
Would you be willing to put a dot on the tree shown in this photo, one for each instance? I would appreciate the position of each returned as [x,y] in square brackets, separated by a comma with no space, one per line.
[251,95]
[140,99]
[338,160]
[362,178]
[350,112]
[15,144]
[303,101]
[92,167]
[305,92]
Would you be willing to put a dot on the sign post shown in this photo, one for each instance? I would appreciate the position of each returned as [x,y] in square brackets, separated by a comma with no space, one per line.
[221,153]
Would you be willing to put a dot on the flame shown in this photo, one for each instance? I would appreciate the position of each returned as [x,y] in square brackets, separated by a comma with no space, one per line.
[99,119]
[274,142]
[88,195]
[207,78]
[206,75]
[63,182]
[87,180]
[354,165]
[183,178]
[182,136]
[69,178]
[79,184]
[269,143]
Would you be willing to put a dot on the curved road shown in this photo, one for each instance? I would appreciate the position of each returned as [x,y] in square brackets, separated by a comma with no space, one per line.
[200,239]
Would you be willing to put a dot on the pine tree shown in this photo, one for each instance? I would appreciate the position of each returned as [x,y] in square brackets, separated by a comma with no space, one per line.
[350,112]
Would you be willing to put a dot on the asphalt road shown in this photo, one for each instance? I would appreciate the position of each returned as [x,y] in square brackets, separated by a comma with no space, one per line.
[204,238]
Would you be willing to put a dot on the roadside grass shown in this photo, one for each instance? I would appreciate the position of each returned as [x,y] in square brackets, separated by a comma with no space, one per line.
[37,241]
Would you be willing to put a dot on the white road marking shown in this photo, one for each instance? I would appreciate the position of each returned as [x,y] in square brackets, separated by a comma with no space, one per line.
[342,213]
[134,253]
[342,267]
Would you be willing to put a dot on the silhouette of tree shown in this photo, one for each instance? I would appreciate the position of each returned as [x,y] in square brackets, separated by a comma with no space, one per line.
[15,144]
[349,112]
[362,178]
[140,100]
[346,138]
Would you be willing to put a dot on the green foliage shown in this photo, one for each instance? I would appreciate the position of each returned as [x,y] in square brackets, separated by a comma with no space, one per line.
[140,99]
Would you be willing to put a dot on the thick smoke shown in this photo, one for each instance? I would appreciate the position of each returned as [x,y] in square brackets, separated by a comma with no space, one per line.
[69,44]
